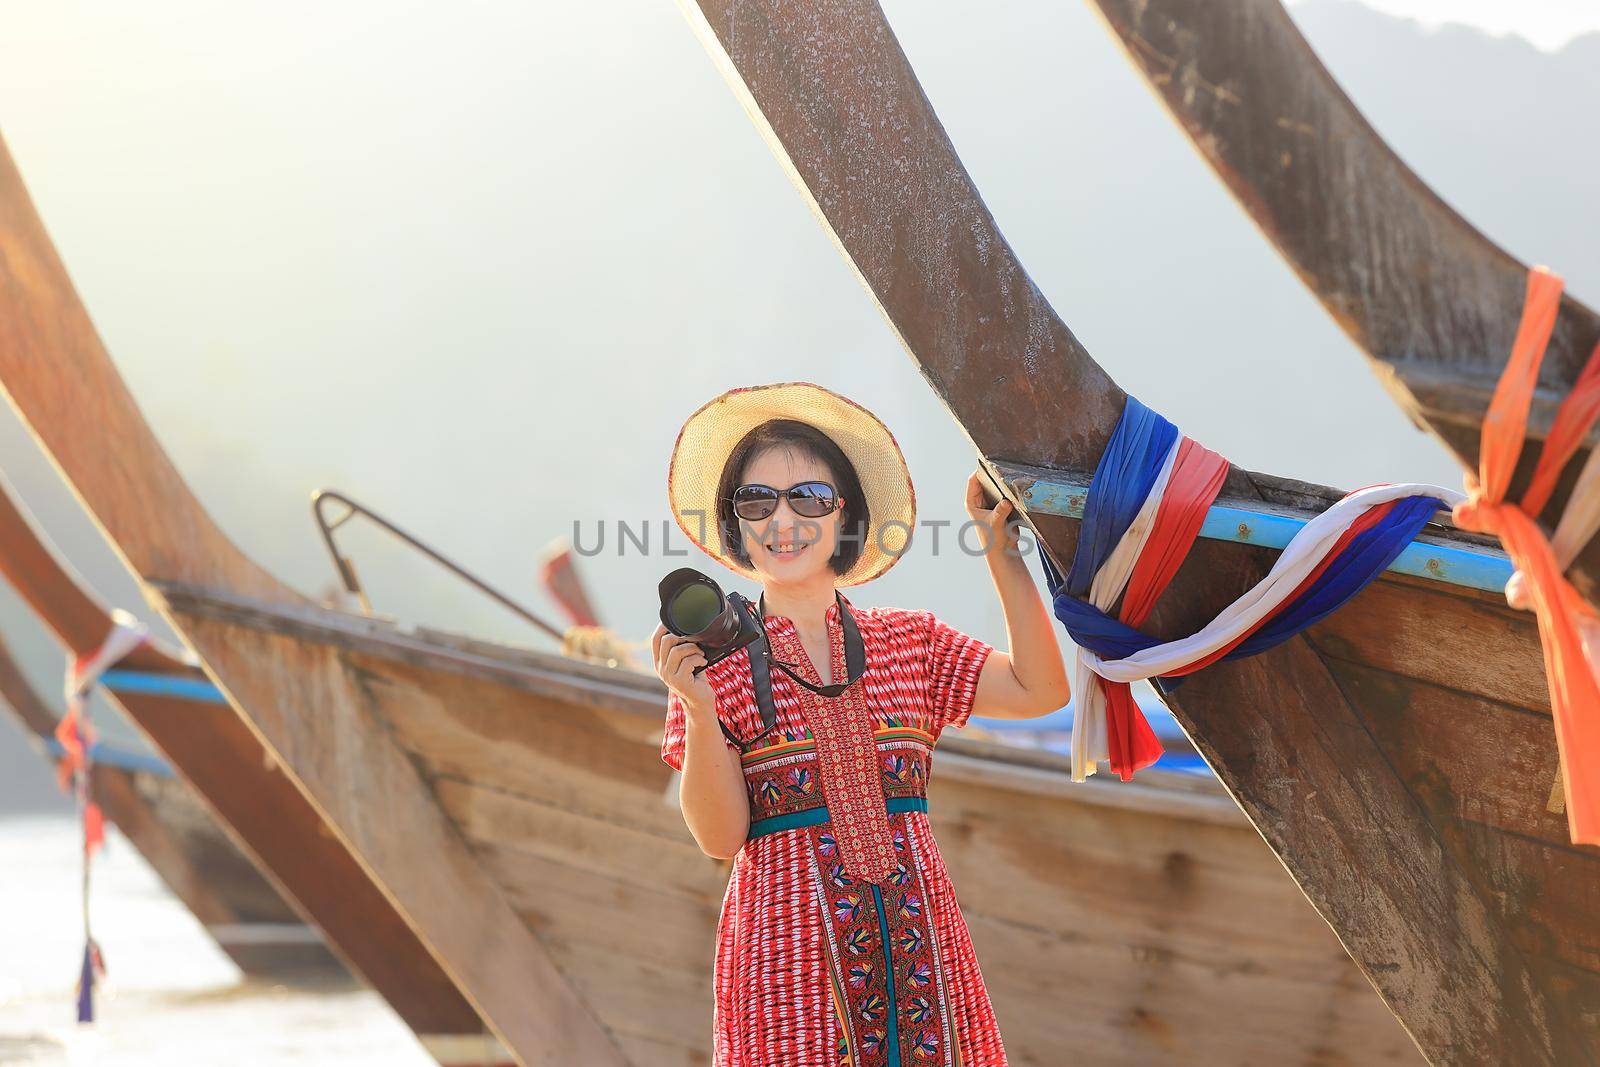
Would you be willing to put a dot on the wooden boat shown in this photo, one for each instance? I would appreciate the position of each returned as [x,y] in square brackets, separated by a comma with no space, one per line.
[1399,755]
[161,817]
[514,808]
[225,766]
[1432,301]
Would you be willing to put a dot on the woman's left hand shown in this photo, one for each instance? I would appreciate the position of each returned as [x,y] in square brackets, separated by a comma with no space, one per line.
[994,523]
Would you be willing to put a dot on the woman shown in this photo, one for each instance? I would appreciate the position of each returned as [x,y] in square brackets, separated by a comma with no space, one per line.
[840,942]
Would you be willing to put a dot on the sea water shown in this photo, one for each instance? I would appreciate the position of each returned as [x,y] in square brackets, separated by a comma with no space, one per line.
[170,996]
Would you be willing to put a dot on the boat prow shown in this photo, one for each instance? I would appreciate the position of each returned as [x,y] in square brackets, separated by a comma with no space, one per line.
[1371,750]
[1431,300]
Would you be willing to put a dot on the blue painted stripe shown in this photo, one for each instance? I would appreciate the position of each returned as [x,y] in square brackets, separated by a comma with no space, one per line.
[888,976]
[121,758]
[170,685]
[1470,566]
[1181,762]
[813,816]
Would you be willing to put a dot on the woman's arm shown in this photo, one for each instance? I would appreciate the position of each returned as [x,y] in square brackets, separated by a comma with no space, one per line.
[1031,679]
[711,791]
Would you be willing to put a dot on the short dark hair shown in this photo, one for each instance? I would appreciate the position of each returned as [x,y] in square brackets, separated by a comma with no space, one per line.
[810,441]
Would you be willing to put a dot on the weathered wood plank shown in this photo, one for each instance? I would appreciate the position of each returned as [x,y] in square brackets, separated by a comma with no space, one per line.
[609,909]
[1486,650]
[531,824]
[1143,886]
[1143,996]
[1136,986]
[517,771]
[1176,796]
[1547,896]
[640,997]
[544,749]
[648,1052]
[1489,806]
[480,741]
[488,817]
[1368,856]
[1579,989]
[1052,991]
[1207,894]
[321,713]
[830,89]
[1433,301]
[1435,738]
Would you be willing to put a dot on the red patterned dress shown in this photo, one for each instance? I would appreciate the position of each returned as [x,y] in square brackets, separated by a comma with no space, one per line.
[814,968]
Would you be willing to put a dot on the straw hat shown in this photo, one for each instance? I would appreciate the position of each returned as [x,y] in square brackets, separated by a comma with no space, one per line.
[710,434]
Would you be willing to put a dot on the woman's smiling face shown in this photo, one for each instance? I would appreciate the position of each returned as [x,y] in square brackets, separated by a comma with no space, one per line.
[785,547]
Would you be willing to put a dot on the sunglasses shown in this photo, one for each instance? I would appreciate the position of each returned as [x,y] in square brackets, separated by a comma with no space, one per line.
[810,500]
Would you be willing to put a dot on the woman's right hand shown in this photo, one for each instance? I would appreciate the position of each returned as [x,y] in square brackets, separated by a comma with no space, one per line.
[675,660]
[711,792]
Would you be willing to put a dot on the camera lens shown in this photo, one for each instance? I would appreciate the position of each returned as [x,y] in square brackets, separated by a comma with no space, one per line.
[694,607]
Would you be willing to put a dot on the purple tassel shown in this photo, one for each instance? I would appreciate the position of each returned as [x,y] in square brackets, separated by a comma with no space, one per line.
[86,986]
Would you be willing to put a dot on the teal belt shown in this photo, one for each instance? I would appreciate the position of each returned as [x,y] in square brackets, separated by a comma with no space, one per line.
[813,816]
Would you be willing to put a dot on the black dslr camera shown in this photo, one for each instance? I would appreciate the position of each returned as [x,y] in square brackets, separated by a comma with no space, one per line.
[694,606]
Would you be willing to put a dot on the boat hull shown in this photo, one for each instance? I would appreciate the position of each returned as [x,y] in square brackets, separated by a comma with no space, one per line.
[269,823]
[1152,909]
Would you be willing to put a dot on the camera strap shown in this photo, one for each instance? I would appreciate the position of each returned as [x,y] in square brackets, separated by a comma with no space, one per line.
[761,664]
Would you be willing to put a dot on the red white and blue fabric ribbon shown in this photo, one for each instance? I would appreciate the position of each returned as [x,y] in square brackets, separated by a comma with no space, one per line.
[77,736]
[1145,506]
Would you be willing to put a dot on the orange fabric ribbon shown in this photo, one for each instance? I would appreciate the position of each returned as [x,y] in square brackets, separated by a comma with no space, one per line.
[1569,629]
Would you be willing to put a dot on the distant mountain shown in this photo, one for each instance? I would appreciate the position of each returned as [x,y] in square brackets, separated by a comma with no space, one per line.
[1505,132]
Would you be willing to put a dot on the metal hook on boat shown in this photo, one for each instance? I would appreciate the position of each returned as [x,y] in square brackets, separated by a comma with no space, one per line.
[352,584]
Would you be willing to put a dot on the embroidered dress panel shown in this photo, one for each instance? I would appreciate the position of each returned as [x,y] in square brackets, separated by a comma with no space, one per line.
[817,965]
[846,755]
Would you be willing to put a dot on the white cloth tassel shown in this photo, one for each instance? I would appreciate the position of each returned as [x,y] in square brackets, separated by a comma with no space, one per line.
[1576,527]
[1581,518]
[127,633]
[1090,744]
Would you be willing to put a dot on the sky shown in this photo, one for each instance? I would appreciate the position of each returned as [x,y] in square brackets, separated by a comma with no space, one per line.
[1546,24]
[474,264]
